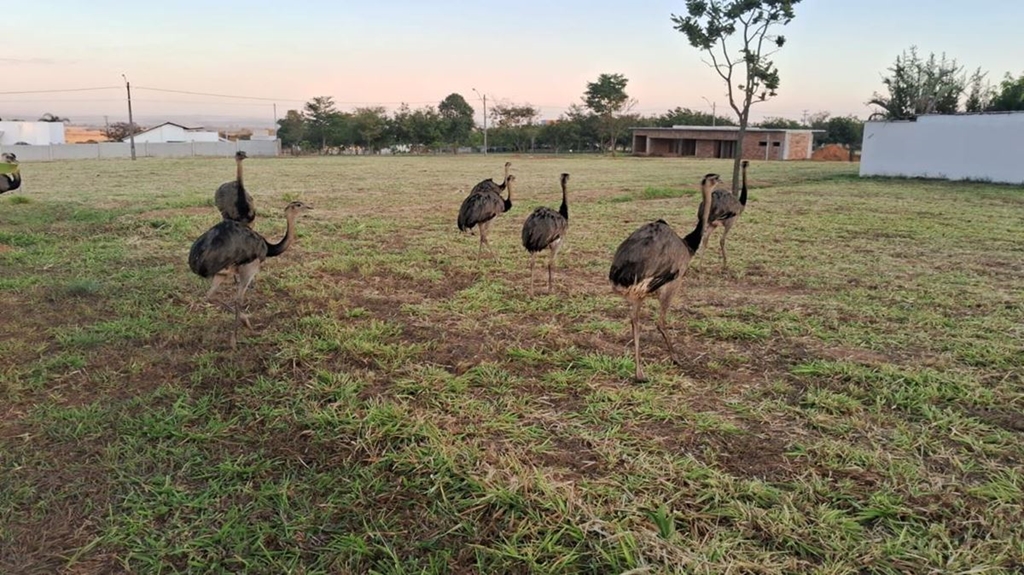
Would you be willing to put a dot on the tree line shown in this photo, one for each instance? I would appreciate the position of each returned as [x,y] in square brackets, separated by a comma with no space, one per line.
[512,127]
[936,84]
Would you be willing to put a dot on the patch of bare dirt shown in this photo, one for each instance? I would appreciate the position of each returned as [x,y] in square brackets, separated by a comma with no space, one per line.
[1007,419]
[831,153]
[755,452]
[572,454]
[4,248]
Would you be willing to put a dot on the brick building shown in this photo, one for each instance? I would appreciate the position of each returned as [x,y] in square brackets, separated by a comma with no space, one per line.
[720,142]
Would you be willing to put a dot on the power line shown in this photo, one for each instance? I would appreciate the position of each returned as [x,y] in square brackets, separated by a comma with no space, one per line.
[61,90]
[261,98]
[217,95]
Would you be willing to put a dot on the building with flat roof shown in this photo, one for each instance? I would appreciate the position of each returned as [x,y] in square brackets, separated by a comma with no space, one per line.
[720,142]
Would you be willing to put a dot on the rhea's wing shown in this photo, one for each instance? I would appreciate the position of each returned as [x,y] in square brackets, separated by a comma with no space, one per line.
[479,208]
[650,255]
[542,227]
[226,244]
[234,206]
[724,205]
[487,185]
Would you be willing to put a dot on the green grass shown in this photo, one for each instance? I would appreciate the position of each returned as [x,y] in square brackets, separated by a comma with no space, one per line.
[849,399]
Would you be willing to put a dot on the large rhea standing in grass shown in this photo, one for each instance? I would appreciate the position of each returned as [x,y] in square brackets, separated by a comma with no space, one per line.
[10,181]
[231,198]
[653,260]
[725,210]
[232,248]
[480,208]
[545,230]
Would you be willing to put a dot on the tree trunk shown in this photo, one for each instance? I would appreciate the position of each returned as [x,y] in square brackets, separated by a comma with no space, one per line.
[738,154]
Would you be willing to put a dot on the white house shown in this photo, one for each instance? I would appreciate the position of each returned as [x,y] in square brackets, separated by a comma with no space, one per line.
[34,133]
[171,132]
[986,147]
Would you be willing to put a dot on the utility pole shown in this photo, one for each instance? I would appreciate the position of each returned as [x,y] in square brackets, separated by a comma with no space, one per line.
[714,117]
[131,121]
[275,113]
[484,97]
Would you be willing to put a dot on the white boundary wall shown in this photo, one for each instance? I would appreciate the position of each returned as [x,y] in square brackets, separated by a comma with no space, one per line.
[143,150]
[974,146]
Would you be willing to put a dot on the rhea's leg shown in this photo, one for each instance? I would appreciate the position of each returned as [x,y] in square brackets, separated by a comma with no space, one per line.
[217,280]
[707,235]
[551,264]
[245,275]
[665,299]
[484,243]
[635,322]
[533,262]
[725,232]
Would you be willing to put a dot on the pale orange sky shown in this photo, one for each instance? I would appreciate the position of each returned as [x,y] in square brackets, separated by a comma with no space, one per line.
[419,52]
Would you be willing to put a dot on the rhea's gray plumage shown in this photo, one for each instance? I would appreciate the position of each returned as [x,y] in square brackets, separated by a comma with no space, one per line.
[653,260]
[480,208]
[231,198]
[231,248]
[545,230]
[725,209]
[12,181]
[489,185]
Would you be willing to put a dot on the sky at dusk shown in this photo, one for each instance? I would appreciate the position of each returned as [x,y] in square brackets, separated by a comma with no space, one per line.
[387,52]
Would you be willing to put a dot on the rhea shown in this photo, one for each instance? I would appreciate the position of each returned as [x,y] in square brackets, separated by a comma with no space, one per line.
[12,180]
[479,210]
[231,198]
[653,261]
[725,210]
[545,230]
[231,248]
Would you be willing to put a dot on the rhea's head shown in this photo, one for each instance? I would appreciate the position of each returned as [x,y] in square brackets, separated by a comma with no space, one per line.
[297,208]
[711,180]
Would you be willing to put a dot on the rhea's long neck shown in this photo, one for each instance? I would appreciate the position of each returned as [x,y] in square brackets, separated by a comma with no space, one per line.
[564,208]
[692,239]
[289,235]
[743,190]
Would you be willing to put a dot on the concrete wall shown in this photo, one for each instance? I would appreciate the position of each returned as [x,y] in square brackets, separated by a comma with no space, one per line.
[977,146]
[799,146]
[34,133]
[143,150]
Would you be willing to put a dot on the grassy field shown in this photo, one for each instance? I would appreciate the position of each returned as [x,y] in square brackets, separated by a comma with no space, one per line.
[851,399]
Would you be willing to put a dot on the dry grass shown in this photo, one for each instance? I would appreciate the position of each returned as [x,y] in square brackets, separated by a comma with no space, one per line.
[850,401]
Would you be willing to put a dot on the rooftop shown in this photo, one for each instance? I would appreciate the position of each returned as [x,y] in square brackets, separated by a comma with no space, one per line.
[724,129]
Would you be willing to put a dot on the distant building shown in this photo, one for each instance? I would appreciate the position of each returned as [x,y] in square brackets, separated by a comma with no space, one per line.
[264,134]
[33,133]
[987,147]
[169,132]
[720,142]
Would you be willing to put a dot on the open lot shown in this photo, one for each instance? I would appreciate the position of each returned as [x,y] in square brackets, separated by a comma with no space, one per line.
[851,398]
